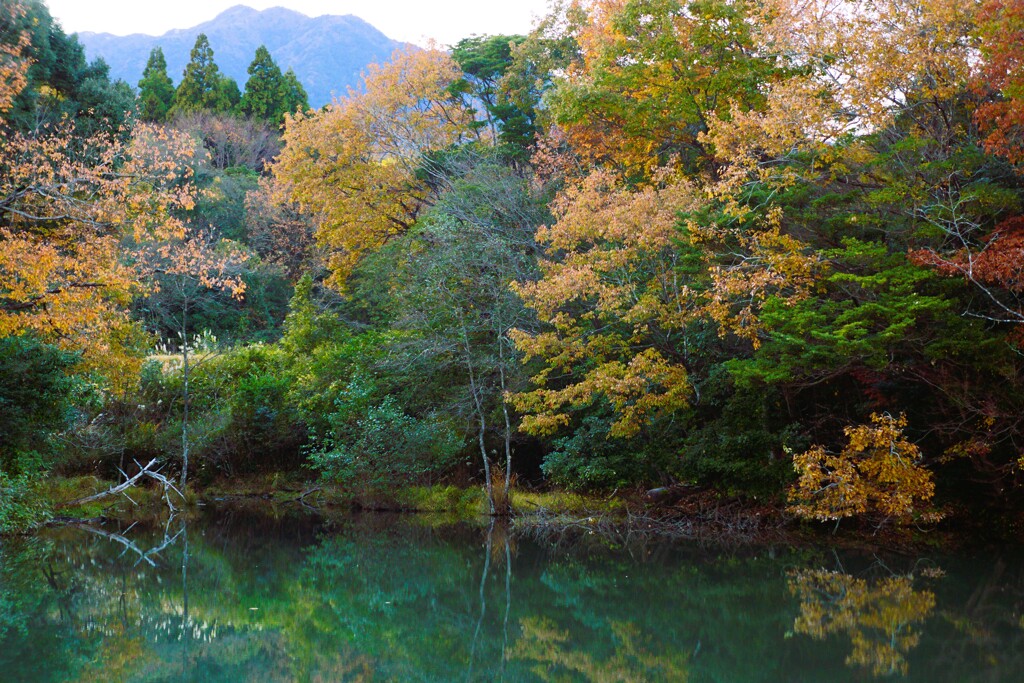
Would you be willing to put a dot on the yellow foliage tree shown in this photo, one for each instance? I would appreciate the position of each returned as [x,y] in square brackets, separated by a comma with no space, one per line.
[651,74]
[852,67]
[879,617]
[359,166]
[878,471]
[620,283]
[615,304]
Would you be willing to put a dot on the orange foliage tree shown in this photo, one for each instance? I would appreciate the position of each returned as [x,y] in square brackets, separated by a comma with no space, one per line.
[359,166]
[1001,29]
[13,44]
[70,211]
[995,266]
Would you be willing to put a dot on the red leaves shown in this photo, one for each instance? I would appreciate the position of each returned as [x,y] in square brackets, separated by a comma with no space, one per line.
[1001,27]
[999,262]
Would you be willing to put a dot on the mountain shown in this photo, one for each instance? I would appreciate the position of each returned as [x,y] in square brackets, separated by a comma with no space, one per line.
[328,53]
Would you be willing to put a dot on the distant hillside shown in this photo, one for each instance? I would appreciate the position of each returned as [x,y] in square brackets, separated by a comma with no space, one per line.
[328,53]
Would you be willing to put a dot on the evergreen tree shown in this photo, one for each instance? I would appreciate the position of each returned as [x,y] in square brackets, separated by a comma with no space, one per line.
[60,82]
[201,86]
[294,94]
[156,90]
[265,89]
[230,96]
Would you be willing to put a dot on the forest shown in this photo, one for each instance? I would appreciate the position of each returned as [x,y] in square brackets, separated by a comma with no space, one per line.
[768,249]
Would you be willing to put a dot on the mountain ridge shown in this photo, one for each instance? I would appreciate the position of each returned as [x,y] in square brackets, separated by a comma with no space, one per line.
[328,52]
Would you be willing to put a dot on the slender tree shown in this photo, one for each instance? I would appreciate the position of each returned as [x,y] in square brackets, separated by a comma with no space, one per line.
[156,90]
[295,97]
[264,96]
[202,85]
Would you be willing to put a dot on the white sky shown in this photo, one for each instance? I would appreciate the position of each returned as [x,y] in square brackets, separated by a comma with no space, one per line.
[415,21]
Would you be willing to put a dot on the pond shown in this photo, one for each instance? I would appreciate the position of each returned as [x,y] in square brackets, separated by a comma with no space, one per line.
[243,595]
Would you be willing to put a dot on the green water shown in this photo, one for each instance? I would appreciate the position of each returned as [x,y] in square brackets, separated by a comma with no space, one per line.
[242,596]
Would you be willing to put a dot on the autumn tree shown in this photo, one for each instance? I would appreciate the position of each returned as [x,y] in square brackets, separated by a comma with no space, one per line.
[280,233]
[360,165]
[610,292]
[878,472]
[14,64]
[156,91]
[652,74]
[186,266]
[1000,24]
[69,210]
[231,141]
[849,67]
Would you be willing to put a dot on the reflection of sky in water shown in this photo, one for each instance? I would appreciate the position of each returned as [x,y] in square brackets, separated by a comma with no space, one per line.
[377,598]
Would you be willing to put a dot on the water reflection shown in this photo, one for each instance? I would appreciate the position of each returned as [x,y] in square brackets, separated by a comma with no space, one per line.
[239,596]
[881,617]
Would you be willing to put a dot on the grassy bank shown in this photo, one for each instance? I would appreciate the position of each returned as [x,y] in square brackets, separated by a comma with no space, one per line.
[553,515]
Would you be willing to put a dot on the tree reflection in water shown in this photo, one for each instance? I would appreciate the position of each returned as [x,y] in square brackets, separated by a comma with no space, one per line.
[881,617]
[246,596]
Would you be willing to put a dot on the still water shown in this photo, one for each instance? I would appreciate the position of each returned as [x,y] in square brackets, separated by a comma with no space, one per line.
[244,596]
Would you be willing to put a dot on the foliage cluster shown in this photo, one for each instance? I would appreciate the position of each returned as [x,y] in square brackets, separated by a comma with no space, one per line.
[652,241]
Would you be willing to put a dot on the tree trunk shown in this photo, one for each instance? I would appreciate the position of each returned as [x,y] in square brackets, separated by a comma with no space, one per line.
[184,391]
[475,389]
[508,426]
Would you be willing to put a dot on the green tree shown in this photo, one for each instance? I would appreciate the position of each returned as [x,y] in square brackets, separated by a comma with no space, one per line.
[486,60]
[36,392]
[295,97]
[59,81]
[265,90]
[454,296]
[202,85]
[156,90]
[230,95]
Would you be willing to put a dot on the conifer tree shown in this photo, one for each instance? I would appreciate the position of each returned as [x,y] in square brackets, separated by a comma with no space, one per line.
[295,97]
[265,89]
[156,90]
[201,86]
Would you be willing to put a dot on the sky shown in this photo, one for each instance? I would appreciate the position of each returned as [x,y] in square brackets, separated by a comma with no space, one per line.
[414,21]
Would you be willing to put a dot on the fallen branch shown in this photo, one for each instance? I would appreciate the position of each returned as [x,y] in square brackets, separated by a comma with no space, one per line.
[129,482]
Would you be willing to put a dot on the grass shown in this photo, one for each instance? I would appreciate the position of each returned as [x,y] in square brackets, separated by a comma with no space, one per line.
[567,502]
[453,503]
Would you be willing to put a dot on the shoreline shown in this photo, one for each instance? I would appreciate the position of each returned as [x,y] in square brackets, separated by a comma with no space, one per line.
[699,516]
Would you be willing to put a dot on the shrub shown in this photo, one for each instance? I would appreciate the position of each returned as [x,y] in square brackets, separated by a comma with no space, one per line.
[376,445]
[21,506]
